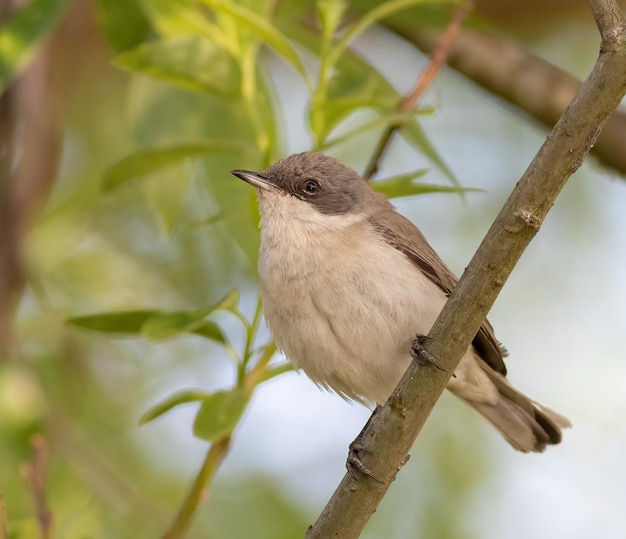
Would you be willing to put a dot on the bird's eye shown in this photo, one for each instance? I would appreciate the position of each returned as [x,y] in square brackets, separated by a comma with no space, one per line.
[310,187]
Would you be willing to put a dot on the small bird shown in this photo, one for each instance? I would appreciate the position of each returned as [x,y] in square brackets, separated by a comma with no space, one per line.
[347,283]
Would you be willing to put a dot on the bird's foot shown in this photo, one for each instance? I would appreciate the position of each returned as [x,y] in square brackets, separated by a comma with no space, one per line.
[423,356]
[354,463]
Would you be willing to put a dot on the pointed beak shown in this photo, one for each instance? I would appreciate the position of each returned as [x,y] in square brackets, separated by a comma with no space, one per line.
[256,179]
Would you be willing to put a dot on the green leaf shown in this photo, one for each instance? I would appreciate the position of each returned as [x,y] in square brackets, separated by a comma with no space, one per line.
[210,330]
[22,35]
[265,30]
[330,13]
[176,399]
[175,18]
[219,414]
[158,325]
[380,121]
[167,325]
[229,302]
[123,23]
[381,11]
[405,185]
[414,134]
[123,322]
[191,62]
[146,161]
[356,85]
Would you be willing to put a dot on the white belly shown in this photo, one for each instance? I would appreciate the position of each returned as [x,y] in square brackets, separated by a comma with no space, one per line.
[346,311]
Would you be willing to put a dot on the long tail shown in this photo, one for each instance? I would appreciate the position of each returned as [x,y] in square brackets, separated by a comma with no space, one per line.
[525,424]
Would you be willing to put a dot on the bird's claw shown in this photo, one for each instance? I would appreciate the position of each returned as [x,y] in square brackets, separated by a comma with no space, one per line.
[354,463]
[423,356]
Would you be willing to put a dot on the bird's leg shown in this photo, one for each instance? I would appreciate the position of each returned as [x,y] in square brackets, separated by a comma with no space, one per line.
[354,463]
[423,356]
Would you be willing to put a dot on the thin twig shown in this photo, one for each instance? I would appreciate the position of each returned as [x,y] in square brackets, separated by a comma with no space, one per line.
[4,531]
[424,81]
[393,430]
[218,450]
[196,494]
[35,475]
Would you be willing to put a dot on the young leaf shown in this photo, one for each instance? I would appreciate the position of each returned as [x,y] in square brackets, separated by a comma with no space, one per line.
[176,399]
[146,161]
[191,62]
[211,331]
[122,322]
[175,18]
[330,13]
[265,30]
[167,325]
[405,185]
[355,84]
[22,35]
[379,121]
[219,414]
[384,9]
[414,134]
[229,302]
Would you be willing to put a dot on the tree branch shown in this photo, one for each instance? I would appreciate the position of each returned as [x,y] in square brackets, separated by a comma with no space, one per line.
[29,151]
[530,83]
[391,432]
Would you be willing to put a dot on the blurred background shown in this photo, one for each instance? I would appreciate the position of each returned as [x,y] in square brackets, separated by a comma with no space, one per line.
[119,124]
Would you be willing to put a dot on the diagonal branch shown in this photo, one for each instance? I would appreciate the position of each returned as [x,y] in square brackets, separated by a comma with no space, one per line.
[391,432]
[533,85]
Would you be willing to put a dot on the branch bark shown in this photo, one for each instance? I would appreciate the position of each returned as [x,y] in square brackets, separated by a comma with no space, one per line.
[391,432]
[29,151]
[533,85]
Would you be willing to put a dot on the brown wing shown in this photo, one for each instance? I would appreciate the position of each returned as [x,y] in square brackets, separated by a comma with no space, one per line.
[407,238]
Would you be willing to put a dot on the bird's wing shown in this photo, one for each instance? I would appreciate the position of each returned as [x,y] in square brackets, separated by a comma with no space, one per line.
[406,237]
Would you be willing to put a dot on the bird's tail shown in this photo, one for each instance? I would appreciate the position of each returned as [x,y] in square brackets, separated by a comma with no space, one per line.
[525,424]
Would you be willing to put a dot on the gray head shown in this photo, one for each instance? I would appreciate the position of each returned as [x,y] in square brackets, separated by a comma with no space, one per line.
[322,181]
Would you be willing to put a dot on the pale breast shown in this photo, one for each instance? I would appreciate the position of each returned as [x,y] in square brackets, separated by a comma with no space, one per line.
[345,309]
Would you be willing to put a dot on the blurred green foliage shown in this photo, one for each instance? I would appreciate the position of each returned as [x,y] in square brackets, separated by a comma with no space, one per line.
[24,32]
[146,229]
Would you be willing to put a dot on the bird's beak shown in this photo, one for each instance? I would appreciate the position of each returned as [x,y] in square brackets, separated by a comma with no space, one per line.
[256,179]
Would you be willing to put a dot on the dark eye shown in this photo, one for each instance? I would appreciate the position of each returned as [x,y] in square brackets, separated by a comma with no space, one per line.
[311,187]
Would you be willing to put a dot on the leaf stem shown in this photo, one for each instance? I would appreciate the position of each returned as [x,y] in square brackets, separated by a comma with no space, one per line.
[253,329]
[196,493]
[258,372]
